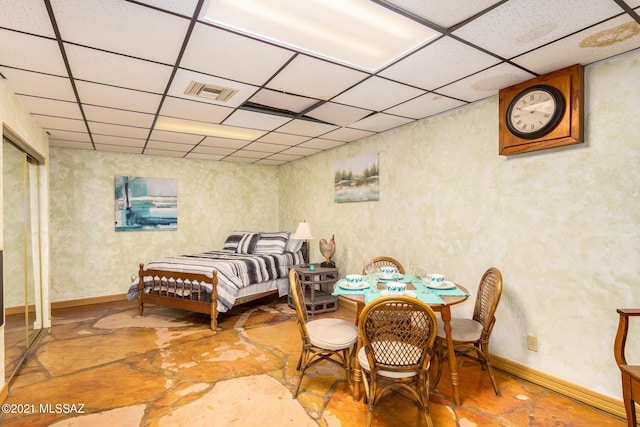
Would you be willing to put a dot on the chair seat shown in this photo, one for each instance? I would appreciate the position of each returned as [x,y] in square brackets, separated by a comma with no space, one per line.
[332,334]
[464,330]
[364,364]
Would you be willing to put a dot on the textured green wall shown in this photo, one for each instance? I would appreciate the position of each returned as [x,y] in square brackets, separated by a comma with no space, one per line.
[561,224]
[89,258]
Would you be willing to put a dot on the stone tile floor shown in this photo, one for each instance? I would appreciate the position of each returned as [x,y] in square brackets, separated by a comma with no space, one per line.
[103,365]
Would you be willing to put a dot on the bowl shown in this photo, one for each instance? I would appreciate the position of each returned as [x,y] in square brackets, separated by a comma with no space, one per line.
[396,288]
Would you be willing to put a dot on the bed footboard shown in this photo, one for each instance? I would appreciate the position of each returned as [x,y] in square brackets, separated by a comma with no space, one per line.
[179,290]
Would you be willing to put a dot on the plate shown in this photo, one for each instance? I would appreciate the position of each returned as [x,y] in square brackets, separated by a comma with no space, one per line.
[408,293]
[344,285]
[445,285]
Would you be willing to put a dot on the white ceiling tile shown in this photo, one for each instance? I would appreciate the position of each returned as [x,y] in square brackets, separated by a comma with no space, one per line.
[519,26]
[285,157]
[301,151]
[50,107]
[441,62]
[282,101]
[486,83]
[117,70]
[128,149]
[44,54]
[283,138]
[119,141]
[123,27]
[29,16]
[378,94]
[348,134]
[230,56]
[265,148]
[184,77]
[61,143]
[602,41]
[37,84]
[425,105]
[202,156]
[167,146]
[114,97]
[119,117]
[445,14]
[250,154]
[167,153]
[322,144]
[69,136]
[212,141]
[49,122]
[177,137]
[306,128]
[315,78]
[182,7]
[338,114]
[116,130]
[193,110]
[251,119]
[222,151]
[380,122]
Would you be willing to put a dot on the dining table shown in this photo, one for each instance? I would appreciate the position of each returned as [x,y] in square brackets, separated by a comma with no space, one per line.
[439,299]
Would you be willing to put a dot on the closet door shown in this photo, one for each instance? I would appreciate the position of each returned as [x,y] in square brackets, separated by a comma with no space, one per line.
[20,254]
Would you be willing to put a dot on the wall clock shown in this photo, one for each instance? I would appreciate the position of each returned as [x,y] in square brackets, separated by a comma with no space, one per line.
[544,112]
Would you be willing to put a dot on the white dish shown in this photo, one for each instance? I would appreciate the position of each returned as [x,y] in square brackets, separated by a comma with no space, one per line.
[407,293]
[390,276]
[346,285]
[444,285]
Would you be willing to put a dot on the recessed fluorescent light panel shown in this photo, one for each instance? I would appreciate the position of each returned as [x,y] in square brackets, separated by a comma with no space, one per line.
[173,124]
[358,33]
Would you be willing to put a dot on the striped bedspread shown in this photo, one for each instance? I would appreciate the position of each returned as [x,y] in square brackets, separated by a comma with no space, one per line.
[235,271]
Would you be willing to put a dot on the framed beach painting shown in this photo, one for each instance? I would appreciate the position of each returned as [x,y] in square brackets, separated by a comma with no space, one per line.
[356,179]
[146,203]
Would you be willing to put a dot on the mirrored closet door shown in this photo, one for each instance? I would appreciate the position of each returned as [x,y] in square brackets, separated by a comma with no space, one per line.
[21,254]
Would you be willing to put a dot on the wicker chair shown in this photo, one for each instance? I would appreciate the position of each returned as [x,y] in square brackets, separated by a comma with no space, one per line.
[630,373]
[472,335]
[398,334]
[327,339]
[385,261]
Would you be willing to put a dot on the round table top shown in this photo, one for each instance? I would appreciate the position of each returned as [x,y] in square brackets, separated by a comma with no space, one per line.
[449,300]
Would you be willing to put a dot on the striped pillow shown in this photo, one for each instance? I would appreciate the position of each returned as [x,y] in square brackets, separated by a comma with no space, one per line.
[272,243]
[248,243]
[233,240]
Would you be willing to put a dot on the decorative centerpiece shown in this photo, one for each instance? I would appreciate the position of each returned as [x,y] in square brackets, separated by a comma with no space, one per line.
[327,249]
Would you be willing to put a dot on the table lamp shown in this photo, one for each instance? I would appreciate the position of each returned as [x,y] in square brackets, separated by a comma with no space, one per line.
[303,232]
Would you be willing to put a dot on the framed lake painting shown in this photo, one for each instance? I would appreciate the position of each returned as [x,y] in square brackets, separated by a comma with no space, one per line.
[356,179]
[146,203]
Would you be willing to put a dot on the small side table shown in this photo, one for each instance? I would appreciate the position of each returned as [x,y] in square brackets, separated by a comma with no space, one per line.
[317,286]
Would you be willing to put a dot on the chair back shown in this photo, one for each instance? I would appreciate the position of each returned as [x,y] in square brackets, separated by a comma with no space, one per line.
[489,292]
[398,333]
[297,295]
[385,261]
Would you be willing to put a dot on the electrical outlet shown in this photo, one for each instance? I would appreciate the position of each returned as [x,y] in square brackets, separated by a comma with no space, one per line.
[532,343]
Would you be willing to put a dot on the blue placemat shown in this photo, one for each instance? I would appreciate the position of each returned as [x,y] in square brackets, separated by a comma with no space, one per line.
[370,294]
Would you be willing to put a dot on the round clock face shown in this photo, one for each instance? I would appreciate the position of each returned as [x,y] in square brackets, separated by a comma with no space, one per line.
[535,111]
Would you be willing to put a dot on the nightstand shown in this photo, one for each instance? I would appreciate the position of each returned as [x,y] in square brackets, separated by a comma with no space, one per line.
[317,286]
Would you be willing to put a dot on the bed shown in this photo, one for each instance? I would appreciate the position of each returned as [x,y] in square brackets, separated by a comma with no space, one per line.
[249,266]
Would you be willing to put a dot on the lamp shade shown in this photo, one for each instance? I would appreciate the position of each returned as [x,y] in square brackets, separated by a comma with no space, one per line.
[303,232]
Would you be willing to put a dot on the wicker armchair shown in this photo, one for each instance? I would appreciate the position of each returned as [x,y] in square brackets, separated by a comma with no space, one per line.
[398,334]
[471,336]
[385,261]
[630,373]
[327,339]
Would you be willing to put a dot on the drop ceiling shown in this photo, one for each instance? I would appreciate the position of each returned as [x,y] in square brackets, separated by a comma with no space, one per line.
[111,75]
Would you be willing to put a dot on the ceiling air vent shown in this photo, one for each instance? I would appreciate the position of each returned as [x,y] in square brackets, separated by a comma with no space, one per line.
[214,92]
